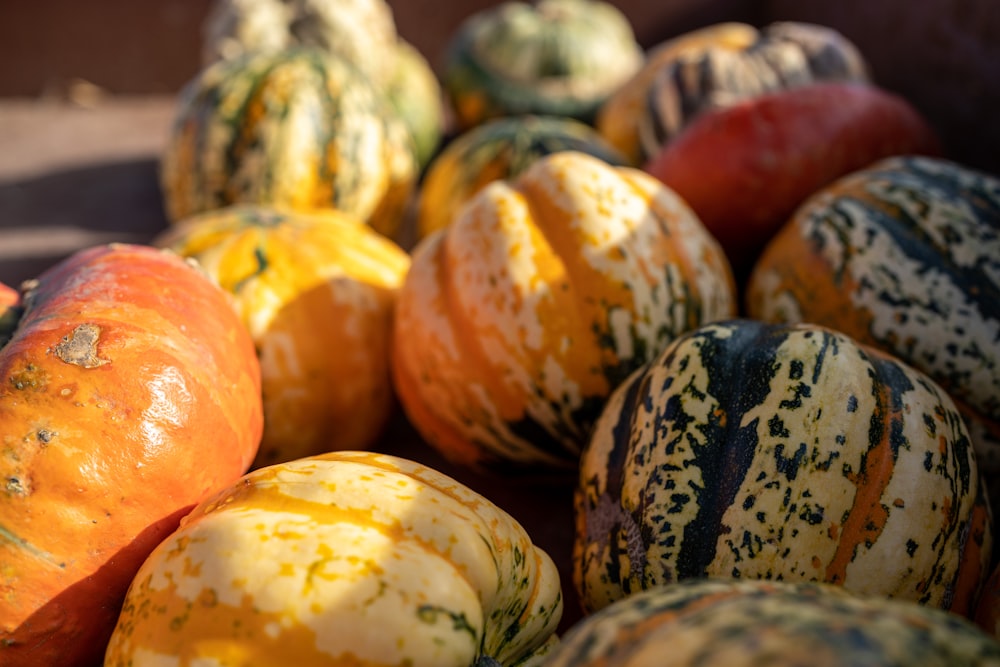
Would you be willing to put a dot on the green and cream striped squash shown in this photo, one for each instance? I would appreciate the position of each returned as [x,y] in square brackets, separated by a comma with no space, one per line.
[518,319]
[550,57]
[497,149]
[787,452]
[343,559]
[729,623]
[718,66]
[905,256]
[300,129]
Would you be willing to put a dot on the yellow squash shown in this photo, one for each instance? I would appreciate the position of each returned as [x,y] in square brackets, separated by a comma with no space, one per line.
[316,292]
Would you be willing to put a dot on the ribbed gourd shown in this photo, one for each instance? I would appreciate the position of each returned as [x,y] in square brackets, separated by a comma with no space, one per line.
[347,558]
[550,57]
[316,292]
[517,320]
[716,66]
[361,31]
[781,452]
[903,255]
[728,623]
[500,148]
[299,128]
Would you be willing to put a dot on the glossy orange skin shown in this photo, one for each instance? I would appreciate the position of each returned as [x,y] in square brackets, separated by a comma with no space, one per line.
[128,392]
[744,169]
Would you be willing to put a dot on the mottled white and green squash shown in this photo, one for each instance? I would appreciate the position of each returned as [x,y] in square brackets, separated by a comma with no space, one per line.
[517,320]
[905,256]
[415,92]
[300,129]
[729,623]
[786,452]
[347,558]
[550,57]
[362,31]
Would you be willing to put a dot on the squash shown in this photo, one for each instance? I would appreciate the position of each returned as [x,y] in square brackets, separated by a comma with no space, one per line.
[517,320]
[298,129]
[500,148]
[361,31]
[316,292]
[729,623]
[415,92]
[770,152]
[902,255]
[346,558]
[714,67]
[130,392]
[549,57]
[789,452]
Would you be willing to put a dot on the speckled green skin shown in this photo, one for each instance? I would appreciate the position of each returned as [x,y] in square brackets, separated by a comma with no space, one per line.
[722,623]
[763,451]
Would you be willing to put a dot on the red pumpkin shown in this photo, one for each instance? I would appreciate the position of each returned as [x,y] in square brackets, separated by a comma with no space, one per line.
[129,391]
[745,168]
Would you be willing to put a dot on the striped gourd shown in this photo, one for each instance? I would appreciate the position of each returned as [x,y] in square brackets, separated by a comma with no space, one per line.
[715,67]
[316,291]
[298,128]
[347,558]
[764,451]
[727,623]
[500,148]
[551,57]
[905,256]
[517,320]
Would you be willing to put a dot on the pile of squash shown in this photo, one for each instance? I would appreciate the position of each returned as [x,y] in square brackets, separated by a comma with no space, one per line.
[730,288]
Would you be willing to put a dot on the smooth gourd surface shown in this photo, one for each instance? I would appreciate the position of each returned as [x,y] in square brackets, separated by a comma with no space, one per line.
[316,291]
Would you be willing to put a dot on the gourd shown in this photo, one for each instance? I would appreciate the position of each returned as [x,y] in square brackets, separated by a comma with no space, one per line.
[129,392]
[346,558]
[550,57]
[902,255]
[517,320]
[500,148]
[299,129]
[316,292]
[361,31]
[786,452]
[714,67]
[729,623]
[770,152]
[415,93]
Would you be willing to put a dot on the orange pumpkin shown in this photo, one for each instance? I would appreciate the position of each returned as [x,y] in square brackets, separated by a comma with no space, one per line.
[129,391]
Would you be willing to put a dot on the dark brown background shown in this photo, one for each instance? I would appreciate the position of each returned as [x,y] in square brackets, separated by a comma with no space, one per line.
[87,91]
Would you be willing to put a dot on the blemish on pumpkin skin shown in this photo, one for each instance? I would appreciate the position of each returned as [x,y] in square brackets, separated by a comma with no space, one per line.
[80,347]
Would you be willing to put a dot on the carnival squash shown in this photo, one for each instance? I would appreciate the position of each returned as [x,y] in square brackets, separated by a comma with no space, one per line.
[415,93]
[729,623]
[517,320]
[129,391]
[361,31]
[787,452]
[344,559]
[316,292]
[714,67]
[500,148]
[550,57]
[903,255]
[746,167]
[299,129]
